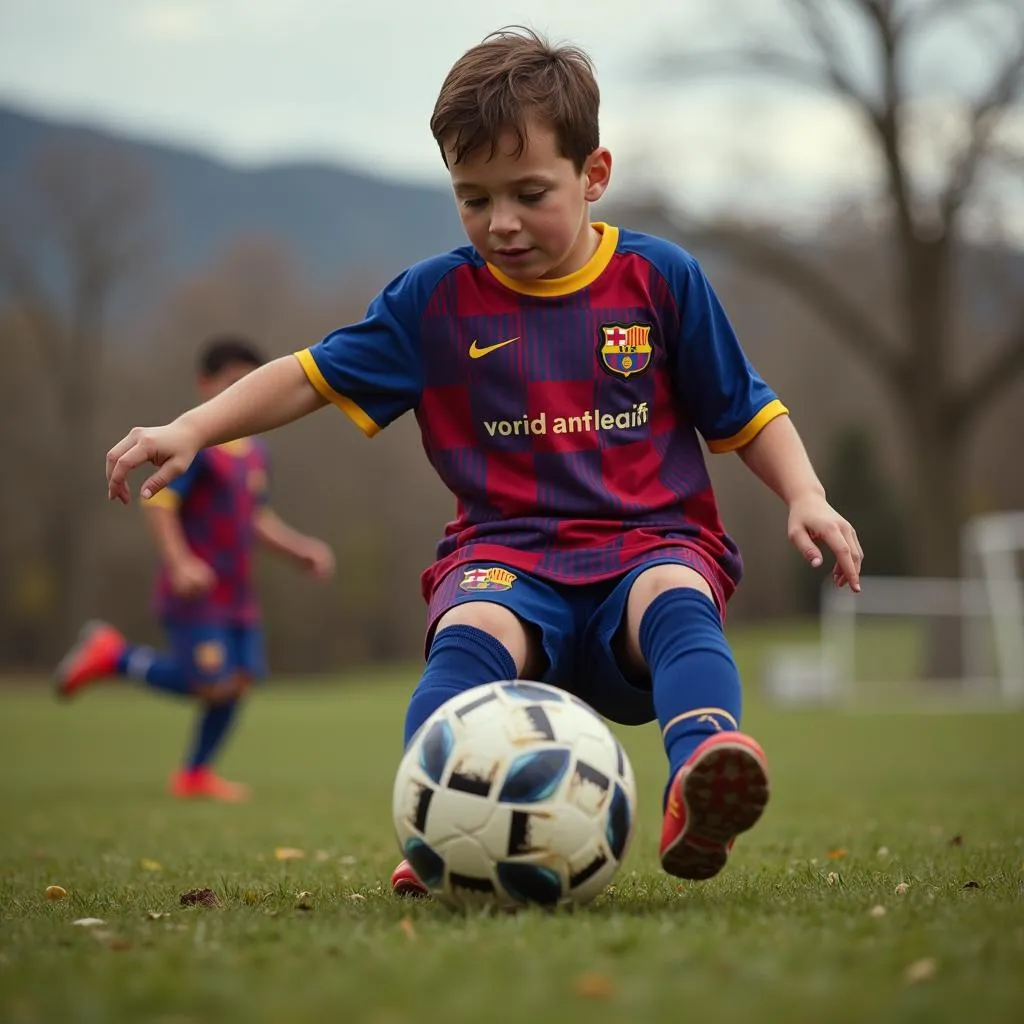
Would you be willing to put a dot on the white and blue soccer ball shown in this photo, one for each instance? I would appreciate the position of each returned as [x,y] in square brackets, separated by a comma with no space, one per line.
[514,793]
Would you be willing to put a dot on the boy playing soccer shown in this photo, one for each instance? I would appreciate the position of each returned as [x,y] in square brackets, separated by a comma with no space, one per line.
[205,525]
[561,372]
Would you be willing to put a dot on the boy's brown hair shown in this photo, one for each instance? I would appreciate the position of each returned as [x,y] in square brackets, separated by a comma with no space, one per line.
[513,75]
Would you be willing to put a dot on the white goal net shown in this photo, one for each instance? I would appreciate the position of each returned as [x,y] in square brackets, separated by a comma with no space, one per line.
[879,647]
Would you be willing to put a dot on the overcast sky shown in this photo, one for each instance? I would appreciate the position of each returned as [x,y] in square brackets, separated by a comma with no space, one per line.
[270,80]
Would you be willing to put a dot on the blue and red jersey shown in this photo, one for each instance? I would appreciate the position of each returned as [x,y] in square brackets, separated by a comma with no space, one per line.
[564,415]
[217,499]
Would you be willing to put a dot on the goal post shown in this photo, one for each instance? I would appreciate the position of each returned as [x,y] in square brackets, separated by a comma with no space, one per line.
[986,605]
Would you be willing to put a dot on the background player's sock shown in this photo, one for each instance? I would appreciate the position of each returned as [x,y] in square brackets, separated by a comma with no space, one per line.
[156,670]
[694,676]
[214,722]
[460,657]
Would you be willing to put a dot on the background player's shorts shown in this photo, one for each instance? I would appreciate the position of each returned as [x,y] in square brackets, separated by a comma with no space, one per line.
[210,654]
[577,623]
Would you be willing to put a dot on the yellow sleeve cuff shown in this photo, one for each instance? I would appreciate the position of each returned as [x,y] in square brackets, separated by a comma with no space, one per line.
[346,405]
[751,430]
[163,499]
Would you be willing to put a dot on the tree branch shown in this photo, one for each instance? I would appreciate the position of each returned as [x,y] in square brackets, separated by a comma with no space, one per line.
[799,275]
[30,298]
[790,66]
[985,116]
[1002,370]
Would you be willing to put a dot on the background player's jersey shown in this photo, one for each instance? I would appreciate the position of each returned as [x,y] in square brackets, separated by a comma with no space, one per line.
[217,498]
[563,414]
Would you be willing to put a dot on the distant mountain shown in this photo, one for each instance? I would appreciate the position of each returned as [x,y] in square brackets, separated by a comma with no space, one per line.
[333,220]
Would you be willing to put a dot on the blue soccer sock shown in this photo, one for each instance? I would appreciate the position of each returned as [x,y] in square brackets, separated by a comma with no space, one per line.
[694,676]
[215,721]
[156,670]
[460,658]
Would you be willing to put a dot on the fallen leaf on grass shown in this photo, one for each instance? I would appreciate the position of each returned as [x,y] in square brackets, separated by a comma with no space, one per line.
[200,897]
[593,985]
[155,915]
[304,900]
[832,878]
[89,922]
[150,865]
[877,911]
[289,853]
[357,897]
[920,970]
[902,889]
[406,925]
[56,892]
[836,854]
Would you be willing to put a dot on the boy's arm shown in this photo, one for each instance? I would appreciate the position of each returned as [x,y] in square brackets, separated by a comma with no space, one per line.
[309,552]
[269,397]
[189,574]
[778,458]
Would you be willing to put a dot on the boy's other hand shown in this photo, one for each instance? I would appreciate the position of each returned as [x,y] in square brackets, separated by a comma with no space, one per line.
[317,559]
[171,447]
[191,577]
[811,519]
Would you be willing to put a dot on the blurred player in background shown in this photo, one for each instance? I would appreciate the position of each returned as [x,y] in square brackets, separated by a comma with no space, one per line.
[205,526]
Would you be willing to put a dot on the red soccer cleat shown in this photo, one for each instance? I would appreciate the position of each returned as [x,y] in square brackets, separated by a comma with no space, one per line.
[204,784]
[719,792]
[405,883]
[94,656]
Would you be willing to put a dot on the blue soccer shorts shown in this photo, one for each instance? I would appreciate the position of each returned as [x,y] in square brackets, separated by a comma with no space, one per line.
[577,624]
[214,653]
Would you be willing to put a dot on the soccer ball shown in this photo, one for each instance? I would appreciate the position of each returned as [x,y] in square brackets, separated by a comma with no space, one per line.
[514,793]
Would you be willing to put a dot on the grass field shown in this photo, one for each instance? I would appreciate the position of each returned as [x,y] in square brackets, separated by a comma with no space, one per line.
[790,932]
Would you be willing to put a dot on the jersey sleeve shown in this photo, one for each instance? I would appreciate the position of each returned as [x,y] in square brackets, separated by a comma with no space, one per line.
[729,402]
[177,490]
[372,370]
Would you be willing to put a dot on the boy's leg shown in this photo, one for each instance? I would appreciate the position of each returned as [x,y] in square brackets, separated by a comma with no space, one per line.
[220,663]
[101,652]
[483,632]
[718,777]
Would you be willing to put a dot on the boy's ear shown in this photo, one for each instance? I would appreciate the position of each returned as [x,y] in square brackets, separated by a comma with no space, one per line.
[597,172]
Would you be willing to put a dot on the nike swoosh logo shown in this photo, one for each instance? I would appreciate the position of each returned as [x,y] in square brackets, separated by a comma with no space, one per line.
[476,352]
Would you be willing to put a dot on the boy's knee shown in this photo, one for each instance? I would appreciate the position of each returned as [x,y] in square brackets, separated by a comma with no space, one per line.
[650,584]
[521,641]
[655,581]
[224,690]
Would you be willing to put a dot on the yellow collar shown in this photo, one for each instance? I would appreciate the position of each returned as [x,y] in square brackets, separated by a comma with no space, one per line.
[549,287]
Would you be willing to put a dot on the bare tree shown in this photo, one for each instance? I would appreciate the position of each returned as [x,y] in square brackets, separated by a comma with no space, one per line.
[79,233]
[915,351]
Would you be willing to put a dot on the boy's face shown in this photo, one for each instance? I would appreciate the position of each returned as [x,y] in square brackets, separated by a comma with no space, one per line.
[528,215]
[215,383]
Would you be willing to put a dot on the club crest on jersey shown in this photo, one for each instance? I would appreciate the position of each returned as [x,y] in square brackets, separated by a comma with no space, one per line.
[494,578]
[625,349]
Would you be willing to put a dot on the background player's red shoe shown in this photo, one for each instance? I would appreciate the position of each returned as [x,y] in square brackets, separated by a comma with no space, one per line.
[719,792]
[405,883]
[94,656]
[204,784]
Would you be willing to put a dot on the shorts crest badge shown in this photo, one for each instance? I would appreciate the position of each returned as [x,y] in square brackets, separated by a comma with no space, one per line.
[209,656]
[494,578]
[625,349]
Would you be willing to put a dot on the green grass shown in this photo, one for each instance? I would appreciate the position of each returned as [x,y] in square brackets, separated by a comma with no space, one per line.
[784,934]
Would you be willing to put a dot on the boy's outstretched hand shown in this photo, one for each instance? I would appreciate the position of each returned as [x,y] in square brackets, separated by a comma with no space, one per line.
[813,519]
[171,447]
